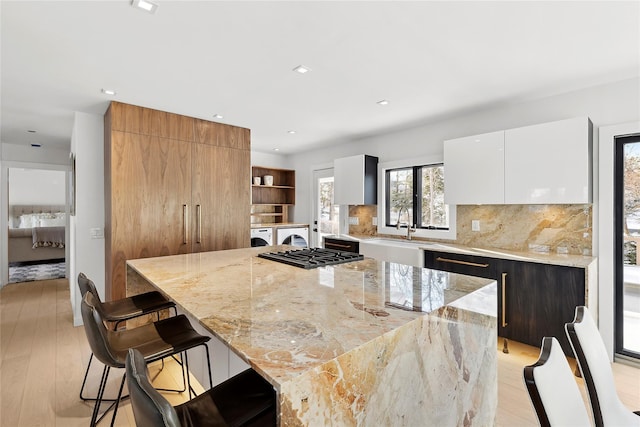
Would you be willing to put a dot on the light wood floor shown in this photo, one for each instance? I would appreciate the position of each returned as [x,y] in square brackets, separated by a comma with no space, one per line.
[43,358]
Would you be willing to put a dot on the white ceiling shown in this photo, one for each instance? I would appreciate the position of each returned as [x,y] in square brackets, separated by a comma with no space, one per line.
[429,59]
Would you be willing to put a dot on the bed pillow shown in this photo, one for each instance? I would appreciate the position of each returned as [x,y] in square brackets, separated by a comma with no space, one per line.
[51,222]
[28,221]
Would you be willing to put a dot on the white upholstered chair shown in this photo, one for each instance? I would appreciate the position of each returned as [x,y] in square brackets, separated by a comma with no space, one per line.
[595,366]
[553,389]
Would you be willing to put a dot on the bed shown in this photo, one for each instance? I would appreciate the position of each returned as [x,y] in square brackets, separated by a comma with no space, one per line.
[36,233]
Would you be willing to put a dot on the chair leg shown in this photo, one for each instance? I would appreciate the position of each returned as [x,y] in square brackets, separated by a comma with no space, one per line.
[206,349]
[96,408]
[84,382]
[186,367]
[117,403]
[184,382]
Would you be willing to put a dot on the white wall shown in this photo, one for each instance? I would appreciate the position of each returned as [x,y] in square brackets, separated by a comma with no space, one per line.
[606,104]
[36,186]
[87,253]
[270,160]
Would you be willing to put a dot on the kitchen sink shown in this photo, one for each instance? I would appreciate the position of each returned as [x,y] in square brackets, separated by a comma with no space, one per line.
[394,250]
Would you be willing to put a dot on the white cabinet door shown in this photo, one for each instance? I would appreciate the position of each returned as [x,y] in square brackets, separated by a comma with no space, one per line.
[355,180]
[549,163]
[474,169]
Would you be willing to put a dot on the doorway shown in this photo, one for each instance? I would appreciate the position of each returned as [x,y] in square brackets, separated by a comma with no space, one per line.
[36,226]
[326,214]
[627,246]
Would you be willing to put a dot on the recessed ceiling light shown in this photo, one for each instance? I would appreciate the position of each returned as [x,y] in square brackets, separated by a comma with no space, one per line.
[109,92]
[276,149]
[31,131]
[302,69]
[217,116]
[146,5]
[291,132]
[33,144]
[383,102]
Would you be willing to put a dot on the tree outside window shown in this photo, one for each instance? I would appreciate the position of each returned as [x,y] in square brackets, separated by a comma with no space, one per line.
[425,207]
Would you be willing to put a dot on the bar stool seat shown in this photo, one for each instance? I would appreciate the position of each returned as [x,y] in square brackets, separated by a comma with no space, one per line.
[122,310]
[246,399]
[154,341]
[127,308]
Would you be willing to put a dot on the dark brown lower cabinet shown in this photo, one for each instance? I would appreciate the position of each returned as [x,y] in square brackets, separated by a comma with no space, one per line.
[342,244]
[534,300]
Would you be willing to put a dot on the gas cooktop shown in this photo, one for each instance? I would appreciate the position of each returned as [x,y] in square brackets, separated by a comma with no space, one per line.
[312,257]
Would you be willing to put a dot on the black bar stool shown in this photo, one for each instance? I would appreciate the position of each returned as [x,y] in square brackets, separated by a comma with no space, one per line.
[155,341]
[246,399]
[122,310]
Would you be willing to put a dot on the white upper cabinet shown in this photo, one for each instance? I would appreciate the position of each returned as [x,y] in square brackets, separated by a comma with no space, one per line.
[549,163]
[355,180]
[474,169]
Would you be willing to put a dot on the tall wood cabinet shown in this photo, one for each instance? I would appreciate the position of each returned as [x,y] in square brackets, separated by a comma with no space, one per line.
[173,185]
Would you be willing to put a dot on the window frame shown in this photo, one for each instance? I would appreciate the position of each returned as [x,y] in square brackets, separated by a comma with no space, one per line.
[416,202]
[390,229]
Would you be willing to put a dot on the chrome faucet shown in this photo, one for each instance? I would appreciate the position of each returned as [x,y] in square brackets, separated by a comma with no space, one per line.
[408,223]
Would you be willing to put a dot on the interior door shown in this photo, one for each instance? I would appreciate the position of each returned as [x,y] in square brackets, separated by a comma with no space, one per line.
[221,199]
[326,214]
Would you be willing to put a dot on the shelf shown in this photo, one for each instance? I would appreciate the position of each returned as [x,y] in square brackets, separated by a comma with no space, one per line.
[283,187]
[272,201]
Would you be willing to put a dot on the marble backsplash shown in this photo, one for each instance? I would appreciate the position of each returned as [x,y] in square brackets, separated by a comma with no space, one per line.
[537,228]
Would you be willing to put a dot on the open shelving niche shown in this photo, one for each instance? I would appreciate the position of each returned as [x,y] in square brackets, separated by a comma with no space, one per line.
[270,203]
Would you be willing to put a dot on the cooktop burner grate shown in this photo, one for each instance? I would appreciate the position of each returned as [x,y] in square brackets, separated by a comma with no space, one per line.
[312,257]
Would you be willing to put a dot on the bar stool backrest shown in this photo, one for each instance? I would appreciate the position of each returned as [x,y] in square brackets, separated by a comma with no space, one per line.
[150,408]
[595,366]
[85,285]
[97,333]
[553,391]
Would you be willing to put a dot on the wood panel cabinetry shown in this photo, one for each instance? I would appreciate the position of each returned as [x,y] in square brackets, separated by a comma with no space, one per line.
[173,185]
[534,300]
[270,203]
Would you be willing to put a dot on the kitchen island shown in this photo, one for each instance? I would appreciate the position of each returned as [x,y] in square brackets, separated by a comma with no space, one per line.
[365,343]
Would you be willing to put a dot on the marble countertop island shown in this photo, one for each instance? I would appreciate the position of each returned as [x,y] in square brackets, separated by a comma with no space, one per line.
[362,343]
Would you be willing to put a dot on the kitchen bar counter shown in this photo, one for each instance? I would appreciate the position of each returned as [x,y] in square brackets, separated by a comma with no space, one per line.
[362,343]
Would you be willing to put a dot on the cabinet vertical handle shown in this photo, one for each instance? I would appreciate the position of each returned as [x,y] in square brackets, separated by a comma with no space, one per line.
[504,300]
[199,223]
[185,227]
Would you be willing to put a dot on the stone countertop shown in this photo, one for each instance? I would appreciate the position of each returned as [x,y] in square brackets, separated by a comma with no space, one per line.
[567,260]
[365,343]
[280,225]
[284,320]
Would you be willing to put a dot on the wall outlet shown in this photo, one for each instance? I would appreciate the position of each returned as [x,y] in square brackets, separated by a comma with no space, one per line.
[353,220]
[374,220]
[475,225]
[96,233]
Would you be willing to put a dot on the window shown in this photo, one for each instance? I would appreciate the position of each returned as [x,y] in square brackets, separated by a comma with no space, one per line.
[415,195]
